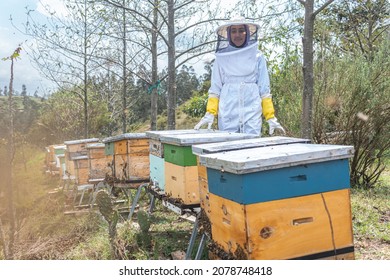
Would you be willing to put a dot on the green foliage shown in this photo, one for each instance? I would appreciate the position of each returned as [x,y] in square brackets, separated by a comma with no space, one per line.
[352,108]
[360,25]
[196,106]
[60,119]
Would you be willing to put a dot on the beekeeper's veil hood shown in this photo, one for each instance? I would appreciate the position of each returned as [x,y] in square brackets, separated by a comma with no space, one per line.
[224,41]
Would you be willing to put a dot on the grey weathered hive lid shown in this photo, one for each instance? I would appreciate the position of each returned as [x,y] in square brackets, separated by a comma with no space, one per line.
[273,157]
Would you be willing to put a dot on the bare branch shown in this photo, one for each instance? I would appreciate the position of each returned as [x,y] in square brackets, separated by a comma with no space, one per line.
[327,3]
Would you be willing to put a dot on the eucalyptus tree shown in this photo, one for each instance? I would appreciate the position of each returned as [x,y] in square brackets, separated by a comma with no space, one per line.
[361,26]
[174,35]
[308,62]
[64,46]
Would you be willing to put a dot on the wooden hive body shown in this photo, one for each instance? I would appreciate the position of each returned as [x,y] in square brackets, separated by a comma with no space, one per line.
[281,202]
[211,148]
[76,159]
[306,227]
[181,165]
[130,156]
[156,150]
[97,161]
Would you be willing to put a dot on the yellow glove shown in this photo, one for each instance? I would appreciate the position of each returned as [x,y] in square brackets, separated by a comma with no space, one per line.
[268,108]
[212,105]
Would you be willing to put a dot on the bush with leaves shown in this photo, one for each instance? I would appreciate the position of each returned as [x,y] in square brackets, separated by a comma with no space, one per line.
[352,108]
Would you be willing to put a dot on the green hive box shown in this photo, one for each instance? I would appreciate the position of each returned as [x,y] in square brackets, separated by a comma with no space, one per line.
[109,148]
[179,155]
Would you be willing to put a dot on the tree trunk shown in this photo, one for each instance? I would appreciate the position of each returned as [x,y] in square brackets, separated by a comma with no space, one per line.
[171,67]
[9,166]
[308,79]
[154,93]
[86,130]
[124,72]
[308,68]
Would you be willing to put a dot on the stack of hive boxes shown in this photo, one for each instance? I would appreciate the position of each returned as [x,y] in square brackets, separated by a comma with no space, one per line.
[59,152]
[205,149]
[156,153]
[288,201]
[180,164]
[76,159]
[130,156]
[97,162]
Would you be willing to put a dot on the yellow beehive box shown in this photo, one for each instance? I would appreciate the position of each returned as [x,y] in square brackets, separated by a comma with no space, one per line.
[317,226]
[182,183]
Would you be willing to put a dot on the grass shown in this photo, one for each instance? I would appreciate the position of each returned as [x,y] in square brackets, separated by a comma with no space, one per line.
[44,232]
[371,220]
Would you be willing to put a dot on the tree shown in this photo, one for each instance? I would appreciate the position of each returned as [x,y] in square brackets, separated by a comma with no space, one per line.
[361,25]
[308,62]
[8,249]
[171,28]
[65,46]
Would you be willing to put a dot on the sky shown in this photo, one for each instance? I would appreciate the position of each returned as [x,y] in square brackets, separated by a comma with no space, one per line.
[11,38]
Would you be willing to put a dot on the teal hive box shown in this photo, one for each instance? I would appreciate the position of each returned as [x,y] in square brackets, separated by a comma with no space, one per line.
[156,152]
[276,172]
[157,175]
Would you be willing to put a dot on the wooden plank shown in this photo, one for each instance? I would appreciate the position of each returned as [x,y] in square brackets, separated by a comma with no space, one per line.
[138,142]
[228,224]
[81,163]
[96,153]
[120,147]
[82,175]
[98,168]
[139,166]
[204,196]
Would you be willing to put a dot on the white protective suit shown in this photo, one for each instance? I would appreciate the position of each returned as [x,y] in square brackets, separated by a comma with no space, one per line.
[240,79]
[239,83]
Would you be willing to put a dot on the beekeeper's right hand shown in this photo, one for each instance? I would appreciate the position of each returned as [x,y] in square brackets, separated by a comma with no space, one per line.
[207,119]
[211,111]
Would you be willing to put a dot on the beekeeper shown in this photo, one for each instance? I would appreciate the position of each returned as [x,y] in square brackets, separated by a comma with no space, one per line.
[240,87]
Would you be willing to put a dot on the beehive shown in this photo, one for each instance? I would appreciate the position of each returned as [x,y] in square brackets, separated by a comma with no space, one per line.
[130,156]
[81,169]
[210,148]
[181,170]
[76,150]
[156,153]
[62,166]
[59,151]
[97,161]
[281,202]
[52,161]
